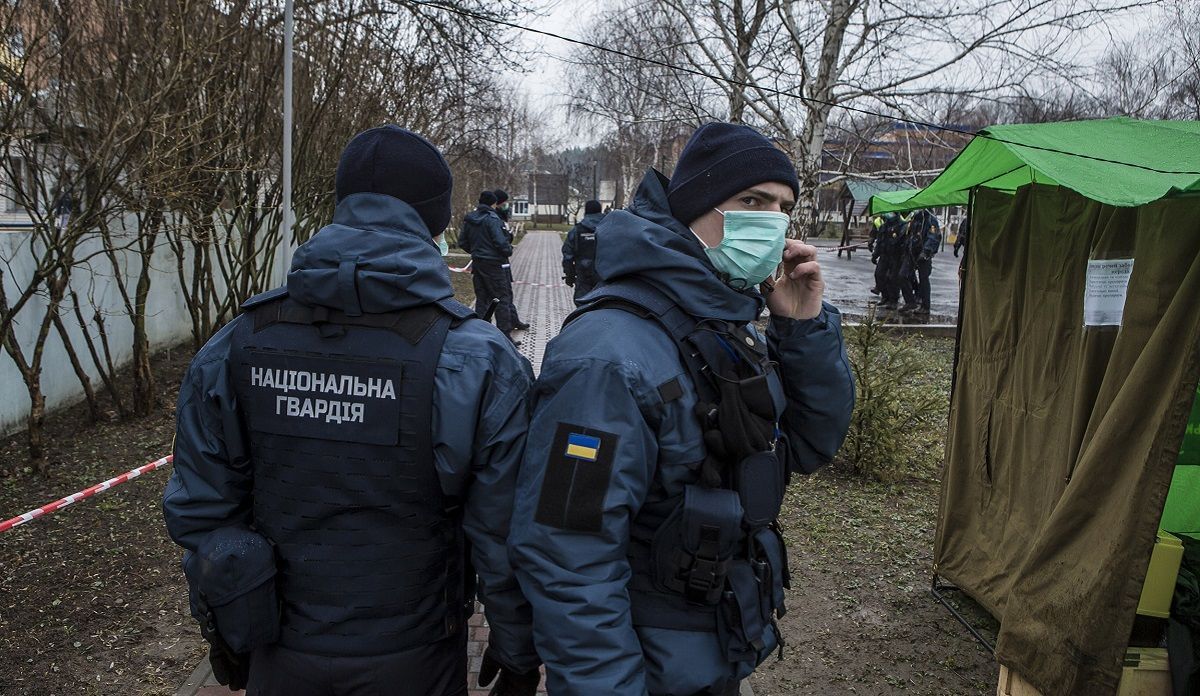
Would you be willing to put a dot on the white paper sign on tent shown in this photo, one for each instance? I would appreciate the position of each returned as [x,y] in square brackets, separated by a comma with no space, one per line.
[1104,294]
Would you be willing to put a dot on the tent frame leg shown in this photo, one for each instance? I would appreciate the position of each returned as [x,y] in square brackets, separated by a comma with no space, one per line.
[937,589]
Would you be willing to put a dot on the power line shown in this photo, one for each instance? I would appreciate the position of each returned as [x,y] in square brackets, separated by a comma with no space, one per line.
[779,92]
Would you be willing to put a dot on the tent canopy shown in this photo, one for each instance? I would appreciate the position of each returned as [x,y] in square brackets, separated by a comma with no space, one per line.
[1121,162]
[860,191]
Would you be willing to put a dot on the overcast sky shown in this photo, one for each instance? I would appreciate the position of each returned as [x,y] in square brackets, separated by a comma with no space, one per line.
[545,83]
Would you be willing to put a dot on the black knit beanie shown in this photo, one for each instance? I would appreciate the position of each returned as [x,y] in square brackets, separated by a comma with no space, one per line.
[487,198]
[591,207]
[720,160]
[398,163]
[501,195]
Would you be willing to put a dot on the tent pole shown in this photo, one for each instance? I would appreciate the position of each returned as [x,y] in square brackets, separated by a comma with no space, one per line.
[936,590]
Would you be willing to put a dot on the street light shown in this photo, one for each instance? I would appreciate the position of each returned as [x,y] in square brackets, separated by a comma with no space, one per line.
[285,244]
[595,180]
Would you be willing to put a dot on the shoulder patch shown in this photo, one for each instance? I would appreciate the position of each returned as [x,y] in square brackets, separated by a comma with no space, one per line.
[670,390]
[577,477]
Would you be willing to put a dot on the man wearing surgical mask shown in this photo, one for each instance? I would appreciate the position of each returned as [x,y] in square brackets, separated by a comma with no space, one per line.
[665,428]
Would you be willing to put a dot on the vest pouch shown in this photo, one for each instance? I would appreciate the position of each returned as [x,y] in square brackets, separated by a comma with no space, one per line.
[231,579]
[741,620]
[769,549]
[691,552]
[759,482]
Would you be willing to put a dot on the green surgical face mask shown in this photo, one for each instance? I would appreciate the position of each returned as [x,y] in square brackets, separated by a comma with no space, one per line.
[442,245]
[752,247]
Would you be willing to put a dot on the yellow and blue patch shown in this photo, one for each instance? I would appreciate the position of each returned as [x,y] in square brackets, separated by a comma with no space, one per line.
[577,477]
[585,447]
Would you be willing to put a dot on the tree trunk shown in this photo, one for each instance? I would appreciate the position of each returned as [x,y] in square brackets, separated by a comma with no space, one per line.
[35,435]
[80,373]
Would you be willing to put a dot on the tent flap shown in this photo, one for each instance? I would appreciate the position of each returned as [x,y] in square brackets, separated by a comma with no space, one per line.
[1122,162]
[1064,438]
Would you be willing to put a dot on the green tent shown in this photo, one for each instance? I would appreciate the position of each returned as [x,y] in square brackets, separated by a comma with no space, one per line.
[1076,373]
[1118,161]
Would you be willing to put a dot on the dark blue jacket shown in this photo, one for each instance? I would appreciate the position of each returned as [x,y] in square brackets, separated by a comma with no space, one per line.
[479,410]
[603,373]
[571,265]
[485,231]
[925,234]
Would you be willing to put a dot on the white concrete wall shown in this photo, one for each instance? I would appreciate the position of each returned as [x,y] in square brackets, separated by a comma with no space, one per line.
[168,322]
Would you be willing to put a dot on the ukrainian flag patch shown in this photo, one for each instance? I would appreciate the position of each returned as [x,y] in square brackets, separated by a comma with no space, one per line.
[585,447]
[578,474]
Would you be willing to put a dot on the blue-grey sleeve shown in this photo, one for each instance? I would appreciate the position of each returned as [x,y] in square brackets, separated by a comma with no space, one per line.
[819,386]
[568,251]
[933,239]
[577,577]
[498,437]
[211,483]
[501,240]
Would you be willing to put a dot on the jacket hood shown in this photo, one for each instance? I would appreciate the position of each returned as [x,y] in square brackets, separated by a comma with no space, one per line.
[645,241]
[376,256]
[477,216]
[592,220]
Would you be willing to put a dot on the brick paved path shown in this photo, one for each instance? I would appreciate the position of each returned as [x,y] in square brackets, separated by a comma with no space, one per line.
[541,297]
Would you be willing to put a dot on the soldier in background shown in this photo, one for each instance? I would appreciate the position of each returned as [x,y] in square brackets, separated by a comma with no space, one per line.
[505,212]
[579,252]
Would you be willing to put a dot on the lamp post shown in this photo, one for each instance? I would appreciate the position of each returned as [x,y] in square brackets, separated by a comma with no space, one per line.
[595,180]
[285,243]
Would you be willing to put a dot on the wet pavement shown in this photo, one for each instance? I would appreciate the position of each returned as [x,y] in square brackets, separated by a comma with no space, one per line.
[849,279]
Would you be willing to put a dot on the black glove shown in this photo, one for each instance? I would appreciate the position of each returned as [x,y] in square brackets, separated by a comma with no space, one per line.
[874,260]
[510,683]
[956,252]
[228,668]
[569,280]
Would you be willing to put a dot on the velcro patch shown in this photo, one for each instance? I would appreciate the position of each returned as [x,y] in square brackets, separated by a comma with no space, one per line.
[321,397]
[577,478]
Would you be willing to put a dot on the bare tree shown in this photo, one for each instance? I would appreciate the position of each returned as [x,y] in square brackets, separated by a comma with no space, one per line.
[794,69]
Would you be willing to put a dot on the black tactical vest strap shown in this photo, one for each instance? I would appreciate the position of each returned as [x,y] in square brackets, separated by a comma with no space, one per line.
[644,300]
[411,324]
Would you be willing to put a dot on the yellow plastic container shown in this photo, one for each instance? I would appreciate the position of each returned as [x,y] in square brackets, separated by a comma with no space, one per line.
[1160,577]
[1146,672]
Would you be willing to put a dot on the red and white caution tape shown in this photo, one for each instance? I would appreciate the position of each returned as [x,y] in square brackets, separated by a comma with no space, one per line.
[539,285]
[84,494]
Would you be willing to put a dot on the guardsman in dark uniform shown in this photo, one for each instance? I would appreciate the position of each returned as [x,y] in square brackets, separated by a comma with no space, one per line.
[961,240]
[886,257]
[503,210]
[345,458]
[483,236]
[665,429]
[921,243]
[579,251]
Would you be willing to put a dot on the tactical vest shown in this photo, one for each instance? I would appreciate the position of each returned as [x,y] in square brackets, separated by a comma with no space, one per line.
[337,415]
[712,559]
[585,256]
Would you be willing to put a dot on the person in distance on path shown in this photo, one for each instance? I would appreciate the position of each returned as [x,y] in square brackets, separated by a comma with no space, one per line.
[579,252]
[665,428]
[484,237]
[345,458]
[504,212]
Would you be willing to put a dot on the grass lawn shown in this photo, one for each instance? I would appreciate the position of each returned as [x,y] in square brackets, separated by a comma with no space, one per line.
[861,619]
